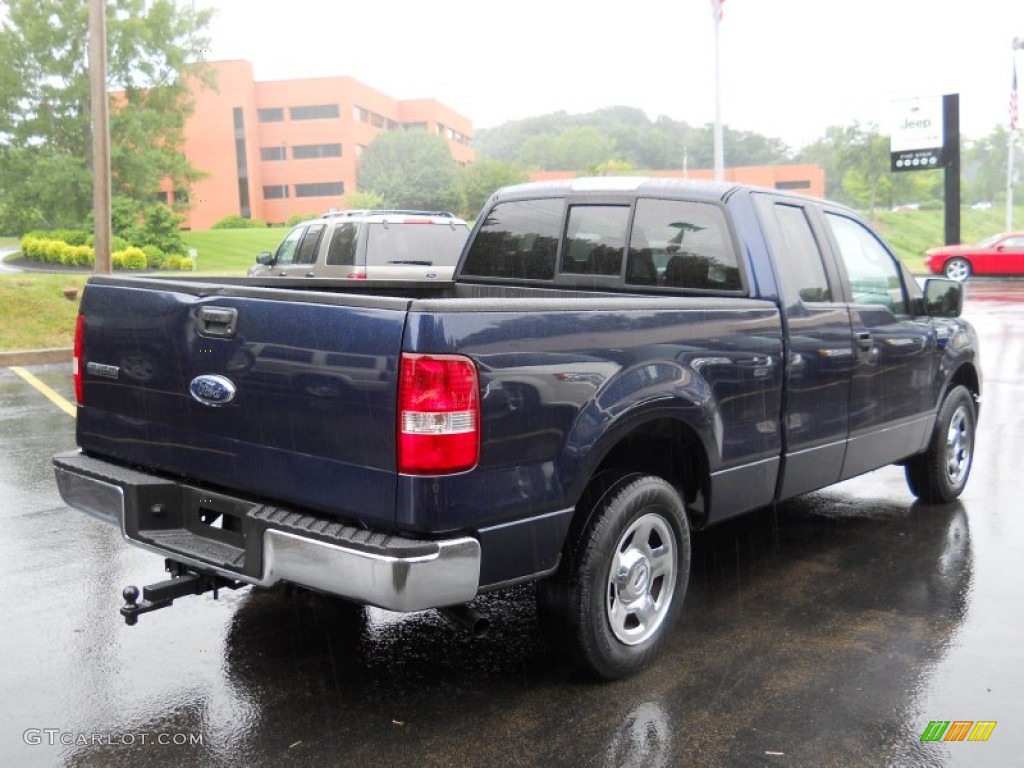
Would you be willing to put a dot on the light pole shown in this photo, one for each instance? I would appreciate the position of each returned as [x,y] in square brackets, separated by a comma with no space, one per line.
[1017,45]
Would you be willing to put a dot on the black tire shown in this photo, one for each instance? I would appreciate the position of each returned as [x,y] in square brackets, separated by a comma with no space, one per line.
[622,580]
[957,269]
[940,474]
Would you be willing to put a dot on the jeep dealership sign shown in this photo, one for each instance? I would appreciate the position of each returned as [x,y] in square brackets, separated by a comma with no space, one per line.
[917,135]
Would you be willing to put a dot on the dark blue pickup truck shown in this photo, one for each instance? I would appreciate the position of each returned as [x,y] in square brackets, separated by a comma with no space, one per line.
[617,362]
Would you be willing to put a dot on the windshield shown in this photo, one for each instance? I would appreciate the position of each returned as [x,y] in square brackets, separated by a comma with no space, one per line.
[989,241]
[437,245]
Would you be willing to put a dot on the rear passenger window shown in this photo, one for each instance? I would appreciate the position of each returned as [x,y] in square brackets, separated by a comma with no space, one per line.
[595,240]
[518,239]
[681,244]
[306,253]
[801,267]
[342,250]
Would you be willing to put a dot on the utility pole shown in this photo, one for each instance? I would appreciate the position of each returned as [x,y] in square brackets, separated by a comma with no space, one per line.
[100,134]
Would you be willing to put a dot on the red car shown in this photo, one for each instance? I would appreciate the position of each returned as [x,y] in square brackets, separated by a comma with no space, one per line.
[998,255]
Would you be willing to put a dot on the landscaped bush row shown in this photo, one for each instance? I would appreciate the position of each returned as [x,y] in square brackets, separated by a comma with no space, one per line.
[51,250]
[235,221]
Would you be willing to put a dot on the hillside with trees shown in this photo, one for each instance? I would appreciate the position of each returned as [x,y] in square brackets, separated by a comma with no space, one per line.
[855,157]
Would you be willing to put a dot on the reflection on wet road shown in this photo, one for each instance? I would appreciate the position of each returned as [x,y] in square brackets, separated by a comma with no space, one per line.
[826,632]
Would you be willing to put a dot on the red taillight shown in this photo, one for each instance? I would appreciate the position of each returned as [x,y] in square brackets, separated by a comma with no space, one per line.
[438,414]
[76,358]
[355,276]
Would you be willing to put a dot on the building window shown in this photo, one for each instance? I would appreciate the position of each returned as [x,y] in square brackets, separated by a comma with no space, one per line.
[416,126]
[311,151]
[275,192]
[244,206]
[271,153]
[792,185]
[315,112]
[360,148]
[360,115]
[320,189]
[273,115]
[377,121]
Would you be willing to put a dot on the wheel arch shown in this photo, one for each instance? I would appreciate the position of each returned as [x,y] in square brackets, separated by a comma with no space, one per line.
[967,376]
[658,445]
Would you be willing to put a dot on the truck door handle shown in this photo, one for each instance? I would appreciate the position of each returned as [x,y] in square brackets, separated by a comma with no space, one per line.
[864,342]
[311,274]
[218,322]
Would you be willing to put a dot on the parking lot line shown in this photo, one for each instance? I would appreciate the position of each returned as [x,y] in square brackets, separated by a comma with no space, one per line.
[48,393]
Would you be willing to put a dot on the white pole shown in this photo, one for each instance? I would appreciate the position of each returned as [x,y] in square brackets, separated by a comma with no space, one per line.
[1011,142]
[1009,181]
[719,151]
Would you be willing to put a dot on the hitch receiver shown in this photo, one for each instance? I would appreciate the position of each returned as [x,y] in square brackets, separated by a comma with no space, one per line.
[183,582]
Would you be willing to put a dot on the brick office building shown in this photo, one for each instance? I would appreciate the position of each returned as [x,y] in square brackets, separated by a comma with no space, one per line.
[274,149]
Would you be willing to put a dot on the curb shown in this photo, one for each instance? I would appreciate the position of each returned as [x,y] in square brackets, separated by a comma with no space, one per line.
[35,357]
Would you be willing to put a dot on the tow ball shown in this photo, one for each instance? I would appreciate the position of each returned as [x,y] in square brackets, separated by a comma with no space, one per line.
[183,582]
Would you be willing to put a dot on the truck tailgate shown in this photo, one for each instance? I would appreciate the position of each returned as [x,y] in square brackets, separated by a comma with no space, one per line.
[288,395]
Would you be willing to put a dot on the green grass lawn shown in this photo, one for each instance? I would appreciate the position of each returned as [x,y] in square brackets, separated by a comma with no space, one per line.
[231,251]
[34,313]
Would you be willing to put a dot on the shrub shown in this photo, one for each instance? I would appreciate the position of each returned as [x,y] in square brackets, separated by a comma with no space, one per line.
[173,262]
[154,257]
[70,236]
[54,250]
[130,258]
[186,265]
[298,218]
[235,221]
[83,256]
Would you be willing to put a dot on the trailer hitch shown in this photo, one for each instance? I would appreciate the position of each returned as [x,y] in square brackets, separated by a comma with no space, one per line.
[183,582]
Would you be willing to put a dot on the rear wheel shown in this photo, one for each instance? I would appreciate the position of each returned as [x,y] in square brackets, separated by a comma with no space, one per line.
[940,474]
[621,584]
[957,269]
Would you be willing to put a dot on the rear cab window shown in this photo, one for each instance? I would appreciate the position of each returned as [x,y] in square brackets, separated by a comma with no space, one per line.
[648,243]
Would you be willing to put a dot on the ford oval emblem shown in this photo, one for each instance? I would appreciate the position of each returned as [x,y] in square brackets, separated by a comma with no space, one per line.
[212,390]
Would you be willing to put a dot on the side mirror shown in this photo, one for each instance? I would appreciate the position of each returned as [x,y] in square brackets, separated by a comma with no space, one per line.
[943,298]
[266,258]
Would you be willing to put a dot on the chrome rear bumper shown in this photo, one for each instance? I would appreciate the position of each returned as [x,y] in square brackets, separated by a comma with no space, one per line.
[264,545]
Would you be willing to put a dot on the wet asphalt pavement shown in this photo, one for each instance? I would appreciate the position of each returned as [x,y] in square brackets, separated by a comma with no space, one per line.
[826,632]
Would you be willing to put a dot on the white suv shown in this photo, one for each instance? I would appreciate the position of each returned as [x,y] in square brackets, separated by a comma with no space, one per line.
[369,245]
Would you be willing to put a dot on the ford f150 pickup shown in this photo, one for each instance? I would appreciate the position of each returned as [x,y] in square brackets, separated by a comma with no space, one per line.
[617,362]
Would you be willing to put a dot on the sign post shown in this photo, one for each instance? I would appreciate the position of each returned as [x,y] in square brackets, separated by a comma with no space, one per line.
[926,136]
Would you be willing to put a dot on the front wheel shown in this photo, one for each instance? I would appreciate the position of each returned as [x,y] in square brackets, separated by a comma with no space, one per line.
[621,584]
[940,474]
[957,269]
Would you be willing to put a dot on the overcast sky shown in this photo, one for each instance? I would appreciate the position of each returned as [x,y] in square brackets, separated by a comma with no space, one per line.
[790,68]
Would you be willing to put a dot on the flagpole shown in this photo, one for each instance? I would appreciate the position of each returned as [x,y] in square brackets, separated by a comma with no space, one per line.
[1018,44]
[719,151]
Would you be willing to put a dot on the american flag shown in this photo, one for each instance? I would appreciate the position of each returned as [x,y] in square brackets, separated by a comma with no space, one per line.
[1013,99]
[716,8]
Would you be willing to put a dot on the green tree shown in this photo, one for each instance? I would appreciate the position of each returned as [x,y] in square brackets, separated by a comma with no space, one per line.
[482,178]
[411,169]
[45,107]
